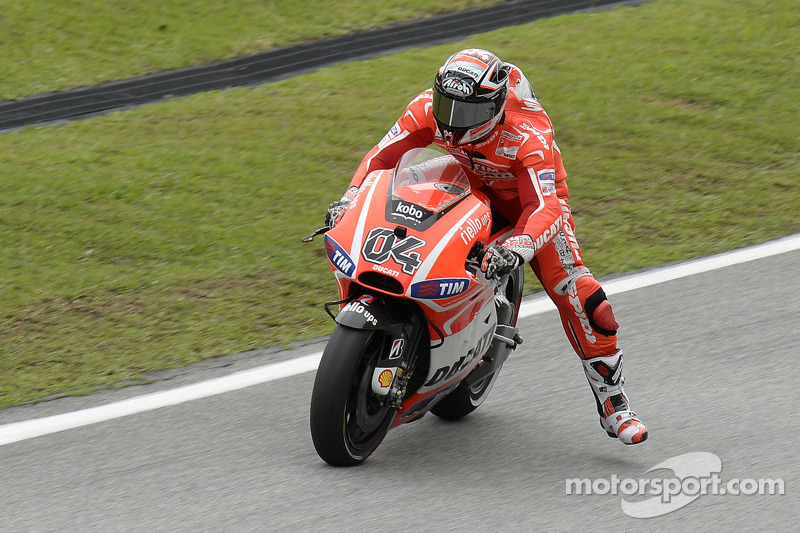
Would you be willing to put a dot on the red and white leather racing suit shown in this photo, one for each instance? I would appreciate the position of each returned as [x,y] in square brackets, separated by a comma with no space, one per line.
[520,169]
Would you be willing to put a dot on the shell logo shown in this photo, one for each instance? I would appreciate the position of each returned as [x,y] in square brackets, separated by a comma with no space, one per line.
[385,378]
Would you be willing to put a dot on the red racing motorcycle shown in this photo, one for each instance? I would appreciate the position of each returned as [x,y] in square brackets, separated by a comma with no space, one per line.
[419,328]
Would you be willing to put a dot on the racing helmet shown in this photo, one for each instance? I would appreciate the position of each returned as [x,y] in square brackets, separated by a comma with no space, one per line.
[469,96]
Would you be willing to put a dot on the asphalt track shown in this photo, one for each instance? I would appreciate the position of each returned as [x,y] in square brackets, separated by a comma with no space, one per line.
[710,367]
[280,63]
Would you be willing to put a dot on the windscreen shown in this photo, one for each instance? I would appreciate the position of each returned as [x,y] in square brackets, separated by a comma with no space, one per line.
[429,179]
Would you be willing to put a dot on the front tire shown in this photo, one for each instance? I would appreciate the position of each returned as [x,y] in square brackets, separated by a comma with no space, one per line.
[348,422]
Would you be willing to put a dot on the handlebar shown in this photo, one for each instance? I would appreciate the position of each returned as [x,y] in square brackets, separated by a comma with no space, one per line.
[320,231]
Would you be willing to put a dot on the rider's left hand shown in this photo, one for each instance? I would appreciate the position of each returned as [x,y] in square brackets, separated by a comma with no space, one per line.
[498,261]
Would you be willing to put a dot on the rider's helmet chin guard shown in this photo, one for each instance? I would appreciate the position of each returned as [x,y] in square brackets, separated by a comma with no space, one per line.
[469,96]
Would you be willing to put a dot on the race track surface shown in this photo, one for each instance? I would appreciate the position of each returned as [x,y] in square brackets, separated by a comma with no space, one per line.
[710,366]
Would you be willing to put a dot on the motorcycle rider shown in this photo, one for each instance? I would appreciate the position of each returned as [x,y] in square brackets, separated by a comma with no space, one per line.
[484,112]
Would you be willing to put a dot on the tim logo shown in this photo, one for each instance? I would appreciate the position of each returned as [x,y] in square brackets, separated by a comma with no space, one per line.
[338,257]
[439,288]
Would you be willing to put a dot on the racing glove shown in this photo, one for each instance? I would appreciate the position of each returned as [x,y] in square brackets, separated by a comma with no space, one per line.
[499,261]
[337,209]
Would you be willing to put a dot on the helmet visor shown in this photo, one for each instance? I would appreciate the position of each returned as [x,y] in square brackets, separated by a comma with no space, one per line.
[458,114]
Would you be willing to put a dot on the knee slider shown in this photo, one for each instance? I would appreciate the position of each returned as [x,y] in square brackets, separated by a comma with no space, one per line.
[601,317]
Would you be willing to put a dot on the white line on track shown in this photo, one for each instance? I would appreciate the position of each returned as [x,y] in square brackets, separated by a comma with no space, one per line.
[19,431]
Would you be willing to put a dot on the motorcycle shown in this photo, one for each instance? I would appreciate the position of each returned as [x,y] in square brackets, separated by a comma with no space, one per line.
[419,327]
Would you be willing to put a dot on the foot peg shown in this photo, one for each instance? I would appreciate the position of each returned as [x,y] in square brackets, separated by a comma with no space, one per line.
[508,335]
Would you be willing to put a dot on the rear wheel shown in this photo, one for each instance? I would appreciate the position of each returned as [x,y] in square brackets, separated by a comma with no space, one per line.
[464,399]
[348,421]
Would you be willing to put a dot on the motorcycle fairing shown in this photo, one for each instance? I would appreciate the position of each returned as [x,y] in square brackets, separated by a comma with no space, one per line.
[423,262]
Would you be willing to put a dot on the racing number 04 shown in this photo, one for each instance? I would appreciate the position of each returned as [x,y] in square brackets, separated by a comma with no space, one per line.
[382,243]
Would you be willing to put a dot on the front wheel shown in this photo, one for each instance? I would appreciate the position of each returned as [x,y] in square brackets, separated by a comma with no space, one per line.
[348,421]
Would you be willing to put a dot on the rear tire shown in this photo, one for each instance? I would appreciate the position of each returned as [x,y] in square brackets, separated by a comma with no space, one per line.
[464,399]
[347,420]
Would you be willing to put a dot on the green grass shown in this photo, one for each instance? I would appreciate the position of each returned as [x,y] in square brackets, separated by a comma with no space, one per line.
[155,237]
[47,45]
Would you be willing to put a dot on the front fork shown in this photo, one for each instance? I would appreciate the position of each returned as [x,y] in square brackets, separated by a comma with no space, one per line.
[390,380]
[393,369]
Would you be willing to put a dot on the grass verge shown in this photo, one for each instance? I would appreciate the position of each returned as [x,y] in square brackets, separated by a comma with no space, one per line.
[49,46]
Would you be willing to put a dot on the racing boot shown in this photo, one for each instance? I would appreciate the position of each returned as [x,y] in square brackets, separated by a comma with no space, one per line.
[605,376]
